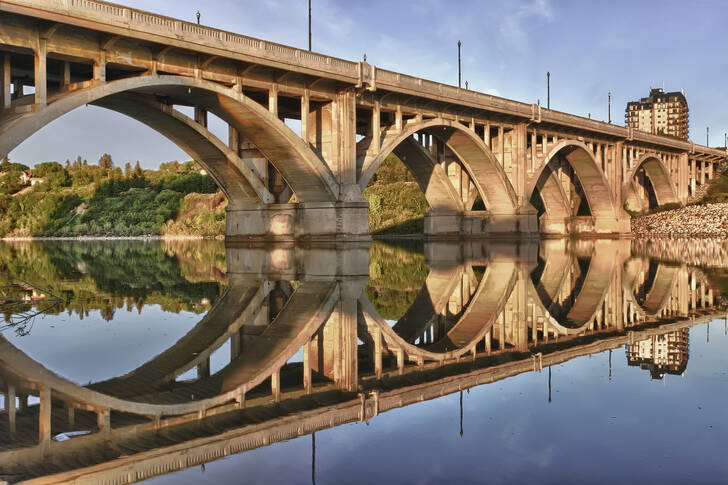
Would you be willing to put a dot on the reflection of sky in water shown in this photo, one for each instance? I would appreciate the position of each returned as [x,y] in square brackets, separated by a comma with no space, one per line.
[93,349]
[625,430]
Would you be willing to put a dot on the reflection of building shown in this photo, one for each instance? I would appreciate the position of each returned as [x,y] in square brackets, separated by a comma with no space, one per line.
[661,354]
[660,113]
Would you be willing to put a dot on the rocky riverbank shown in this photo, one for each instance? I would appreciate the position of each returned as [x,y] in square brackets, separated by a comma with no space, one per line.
[709,220]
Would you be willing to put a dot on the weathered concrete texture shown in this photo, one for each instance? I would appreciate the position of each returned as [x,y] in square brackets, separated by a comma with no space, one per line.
[340,221]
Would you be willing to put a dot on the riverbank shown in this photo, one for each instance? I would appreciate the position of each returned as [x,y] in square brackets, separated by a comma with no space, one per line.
[697,221]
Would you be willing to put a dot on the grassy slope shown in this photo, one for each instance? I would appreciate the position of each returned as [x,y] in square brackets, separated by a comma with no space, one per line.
[396,203]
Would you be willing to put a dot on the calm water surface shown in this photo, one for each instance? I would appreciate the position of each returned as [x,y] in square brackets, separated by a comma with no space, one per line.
[193,362]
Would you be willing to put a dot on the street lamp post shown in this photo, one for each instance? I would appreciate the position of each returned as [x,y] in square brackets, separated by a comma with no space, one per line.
[309,25]
[609,106]
[548,89]
[198,17]
[459,70]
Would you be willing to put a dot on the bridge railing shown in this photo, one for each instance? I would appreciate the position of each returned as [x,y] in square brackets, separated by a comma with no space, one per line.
[160,25]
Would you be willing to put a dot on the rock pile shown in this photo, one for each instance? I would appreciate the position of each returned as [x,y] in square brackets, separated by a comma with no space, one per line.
[692,221]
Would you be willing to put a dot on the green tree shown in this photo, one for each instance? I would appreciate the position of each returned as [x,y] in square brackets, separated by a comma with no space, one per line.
[127,170]
[105,161]
[138,173]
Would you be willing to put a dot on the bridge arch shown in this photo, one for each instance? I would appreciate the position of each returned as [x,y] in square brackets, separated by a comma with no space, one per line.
[661,183]
[489,300]
[593,181]
[308,176]
[484,170]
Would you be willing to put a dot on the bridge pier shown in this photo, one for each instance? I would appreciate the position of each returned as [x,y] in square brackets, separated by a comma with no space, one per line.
[331,221]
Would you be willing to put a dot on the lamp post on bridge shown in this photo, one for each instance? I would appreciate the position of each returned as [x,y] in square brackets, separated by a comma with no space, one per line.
[198,17]
[548,89]
[609,107]
[309,25]
[459,69]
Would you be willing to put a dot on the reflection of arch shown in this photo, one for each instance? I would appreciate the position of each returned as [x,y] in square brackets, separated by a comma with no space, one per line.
[660,284]
[308,308]
[587,295]
[430,301]
[659,176]
[485,171]
[239,304]
[489,300]
[593,181]
[309,177]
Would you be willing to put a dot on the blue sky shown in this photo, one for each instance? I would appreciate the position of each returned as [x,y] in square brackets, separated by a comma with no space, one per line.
[589,47]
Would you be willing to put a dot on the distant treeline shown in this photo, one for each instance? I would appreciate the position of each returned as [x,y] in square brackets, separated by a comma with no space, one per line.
[80,199]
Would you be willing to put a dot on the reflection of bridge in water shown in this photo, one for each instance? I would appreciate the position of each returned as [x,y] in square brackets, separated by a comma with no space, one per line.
[309,350]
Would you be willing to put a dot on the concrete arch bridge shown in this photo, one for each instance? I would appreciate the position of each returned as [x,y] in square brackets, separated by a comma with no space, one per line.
[527,170]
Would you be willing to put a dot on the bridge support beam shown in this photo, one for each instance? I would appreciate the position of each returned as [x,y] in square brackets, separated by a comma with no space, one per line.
[332,221]
[5,81]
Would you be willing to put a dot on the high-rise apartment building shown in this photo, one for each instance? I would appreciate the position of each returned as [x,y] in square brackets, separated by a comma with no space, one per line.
[660,113]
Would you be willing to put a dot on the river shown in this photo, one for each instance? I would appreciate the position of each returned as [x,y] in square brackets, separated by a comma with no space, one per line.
[554,361]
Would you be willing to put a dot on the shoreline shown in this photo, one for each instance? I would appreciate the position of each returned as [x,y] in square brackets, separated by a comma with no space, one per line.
[113,238]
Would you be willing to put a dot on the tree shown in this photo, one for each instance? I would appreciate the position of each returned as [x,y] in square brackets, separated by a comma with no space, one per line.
[105,161]
[5,165]
[127,170]
[138,173]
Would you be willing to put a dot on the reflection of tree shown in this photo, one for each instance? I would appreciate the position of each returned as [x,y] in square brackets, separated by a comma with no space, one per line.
[106,275]
[396,275]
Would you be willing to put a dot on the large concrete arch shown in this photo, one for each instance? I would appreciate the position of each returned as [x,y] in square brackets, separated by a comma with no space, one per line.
[307,175]
[595,184]
[556,203]
[485,171]
[238,181]
[659,175]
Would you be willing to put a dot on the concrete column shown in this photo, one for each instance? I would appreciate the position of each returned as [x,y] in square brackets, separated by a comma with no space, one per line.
[377,337]
[10,407]
[488,341]
[273,100]
[5,82]
[347,130]
[533,151]
[307,367]
[71,415]
[201,116]
[275,385]
[203,368]
[234,139]
[618,174]
[682,177]
[44,418]
[235,346]
[486,134]
[103,420]
[398,118]
[65,75]
[376,121]
[305,102]
[501,146]
[40,73]
[518,161]
[100,67]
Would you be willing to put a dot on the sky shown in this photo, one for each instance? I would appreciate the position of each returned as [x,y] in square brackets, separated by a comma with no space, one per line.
[590,48]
